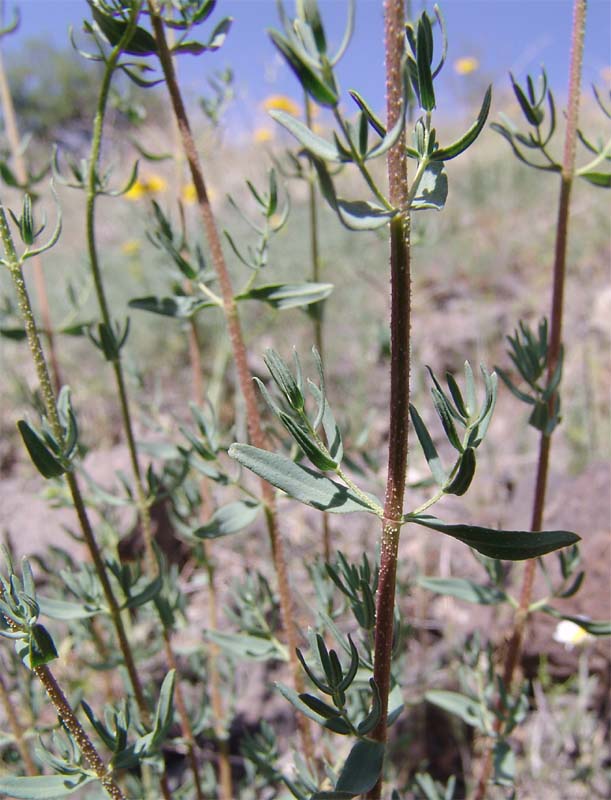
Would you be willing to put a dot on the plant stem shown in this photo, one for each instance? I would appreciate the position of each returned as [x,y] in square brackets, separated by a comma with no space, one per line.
[255,430]
[514,649]
[44,379]
[317,310]
[84,743]
[21,173]
[399,369]
[16,728]
[94,262]
[216,698]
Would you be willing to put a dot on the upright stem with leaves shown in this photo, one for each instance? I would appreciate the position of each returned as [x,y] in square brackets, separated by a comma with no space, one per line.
[255,430]
[567,174]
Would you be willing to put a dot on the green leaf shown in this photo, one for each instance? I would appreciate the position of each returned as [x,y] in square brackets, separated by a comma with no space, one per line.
[462,706]
[42,787]
[430,452]
[311,83]
[465,141]
[362,768]
[464,474]
[306,442]
[243,646]
[44,460]
[504,761]
[229,519]
[335,724]
[463,589]
[303,484]
[41,647]
[289,295]
[315,144]
[509,545]
[140,43]
[424,56]
[597,178]
[63,609]
[356,216]
[595,627]
[16,334]
[432,190]
[179,306]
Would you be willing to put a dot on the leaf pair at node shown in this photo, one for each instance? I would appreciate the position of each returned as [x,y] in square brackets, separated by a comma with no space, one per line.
[453,409]
[529,353]
[52,456]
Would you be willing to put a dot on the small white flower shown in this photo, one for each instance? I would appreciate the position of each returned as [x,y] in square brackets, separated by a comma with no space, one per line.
[570,634]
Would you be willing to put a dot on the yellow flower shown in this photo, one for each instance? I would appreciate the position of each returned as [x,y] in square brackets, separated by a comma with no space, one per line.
[131,247]
[466,65]
[145,187]
[262,135]
[188,195]
[280,102]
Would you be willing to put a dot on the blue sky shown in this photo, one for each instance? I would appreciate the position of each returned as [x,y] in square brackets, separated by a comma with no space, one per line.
[502,34]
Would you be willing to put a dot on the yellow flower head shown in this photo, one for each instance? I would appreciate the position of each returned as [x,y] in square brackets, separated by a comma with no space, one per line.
[466,65]
[188,195]
[262,135]
[146,187]
[131,247]
[280,102]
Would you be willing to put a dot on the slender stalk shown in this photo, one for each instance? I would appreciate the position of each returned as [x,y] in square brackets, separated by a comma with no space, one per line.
[216,698]
[94,262]
[14,142]
[46,388]
[514,649]
[16,728]
[255,430]
[83,741]
[317,310]
[399,369]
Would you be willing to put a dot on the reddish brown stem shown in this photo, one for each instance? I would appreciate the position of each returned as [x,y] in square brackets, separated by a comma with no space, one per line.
[63,708]
[514,649]
[399,370]
[255,430]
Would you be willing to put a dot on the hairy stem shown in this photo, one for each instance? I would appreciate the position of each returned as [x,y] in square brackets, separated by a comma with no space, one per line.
[399,369]
[317,310]
[21,173]
[216,697]
[514,649]
[48,395]
[255,430]
[94,263]
[91,755]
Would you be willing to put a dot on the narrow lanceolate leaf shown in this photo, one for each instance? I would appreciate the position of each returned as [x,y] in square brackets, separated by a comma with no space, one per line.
[303,484]
[315,144]
[44,460]
[362,768]
[229,519]
[311,83]
[178,306]
[463,589]
[462,706]
[509,545]
[335,724]
[433,188]
[64,609]
[289,295]
[141,43]
[356,216]
[464,474]
[597,178]
[430,452]
[465,141]
[42,787]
